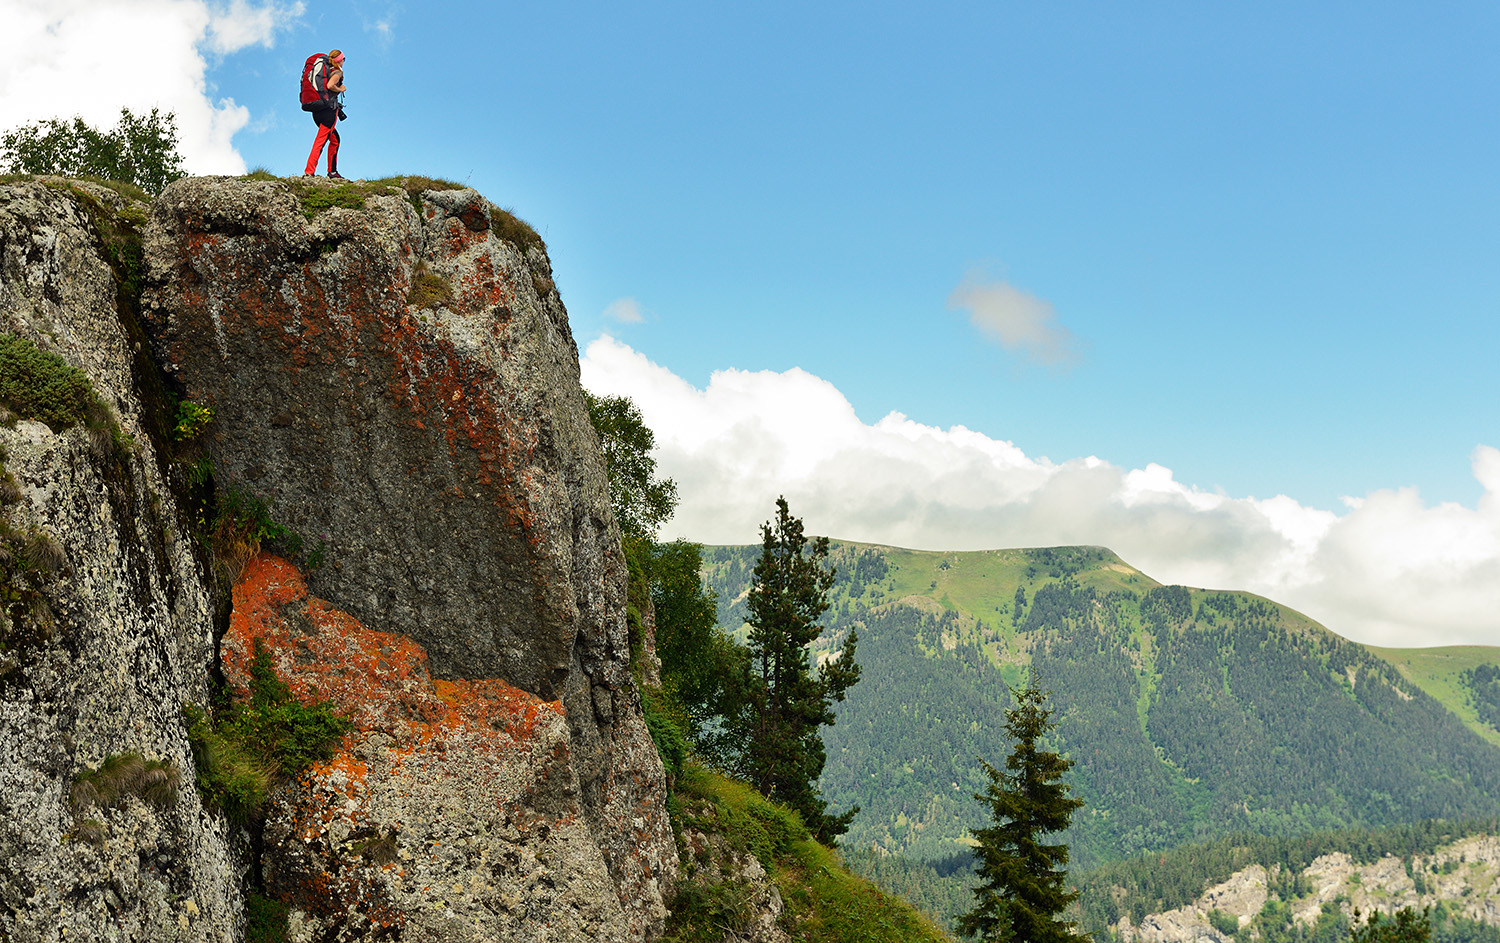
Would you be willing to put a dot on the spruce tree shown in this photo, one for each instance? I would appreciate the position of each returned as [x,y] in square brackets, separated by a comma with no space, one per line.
[787,701]
[1021,893]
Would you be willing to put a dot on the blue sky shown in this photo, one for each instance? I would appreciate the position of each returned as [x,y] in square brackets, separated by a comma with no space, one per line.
[1272,228]
[1258,242]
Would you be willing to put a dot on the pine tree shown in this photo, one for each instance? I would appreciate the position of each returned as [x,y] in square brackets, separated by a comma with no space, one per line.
[1021,893]
[787,702]
[1404,926]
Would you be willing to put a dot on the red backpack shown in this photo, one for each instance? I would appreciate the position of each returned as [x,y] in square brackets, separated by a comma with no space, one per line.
[315,78]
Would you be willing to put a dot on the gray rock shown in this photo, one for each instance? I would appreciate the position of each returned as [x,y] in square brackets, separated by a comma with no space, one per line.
[131,635]
[444,453]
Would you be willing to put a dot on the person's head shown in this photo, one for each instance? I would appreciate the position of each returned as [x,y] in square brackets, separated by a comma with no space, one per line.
[336,57]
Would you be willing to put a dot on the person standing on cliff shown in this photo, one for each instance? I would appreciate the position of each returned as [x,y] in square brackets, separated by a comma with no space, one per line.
[322,84]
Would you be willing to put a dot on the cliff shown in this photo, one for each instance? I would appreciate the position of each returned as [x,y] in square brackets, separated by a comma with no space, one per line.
[1461,877]
[392,378]
[99,649]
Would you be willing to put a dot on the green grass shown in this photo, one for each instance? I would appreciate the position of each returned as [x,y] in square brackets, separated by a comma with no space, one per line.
[350,195]
[512,228]
[825,902]
[416,186]
[266,919]
[250,746]
[1437,670]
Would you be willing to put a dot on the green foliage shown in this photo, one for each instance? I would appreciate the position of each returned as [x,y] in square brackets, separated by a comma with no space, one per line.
[668,727]
[699,661]
[1191,714]
[286,733]
[786,702]
[1405,926]
[825,903]
[192,419]
[266,919]
[1483,682]
[1021,893]
[1227,924]
[38,384]
[124,774]
[429,289]
[140,151]
[242,524]
[942,888]
[251,744]
[350,195]
[709,914]
[229,776]
[641,500]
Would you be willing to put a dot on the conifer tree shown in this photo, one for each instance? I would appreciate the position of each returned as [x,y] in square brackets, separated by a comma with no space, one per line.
[787,701]
[1021,893]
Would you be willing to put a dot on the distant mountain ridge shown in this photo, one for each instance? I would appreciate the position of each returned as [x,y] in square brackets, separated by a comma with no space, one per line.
[1190,713]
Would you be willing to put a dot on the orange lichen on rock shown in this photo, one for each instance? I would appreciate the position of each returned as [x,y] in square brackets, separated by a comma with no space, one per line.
[415,739]
[379,680]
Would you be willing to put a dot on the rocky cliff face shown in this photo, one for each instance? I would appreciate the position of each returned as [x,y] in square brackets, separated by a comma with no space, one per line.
[1465,876]
[99,652]
[395,378]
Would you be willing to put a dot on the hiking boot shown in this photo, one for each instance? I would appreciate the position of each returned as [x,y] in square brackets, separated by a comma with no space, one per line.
[335,175]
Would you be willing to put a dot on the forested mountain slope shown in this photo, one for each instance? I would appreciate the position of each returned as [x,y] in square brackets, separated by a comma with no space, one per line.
[1190,713]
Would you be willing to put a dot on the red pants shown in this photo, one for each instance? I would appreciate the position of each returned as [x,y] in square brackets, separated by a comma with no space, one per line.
[326,118]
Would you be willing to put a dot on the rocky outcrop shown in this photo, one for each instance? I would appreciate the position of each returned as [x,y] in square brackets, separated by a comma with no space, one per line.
[100,658]
[453,811]
[717,867]
[1464,876]
[396,379]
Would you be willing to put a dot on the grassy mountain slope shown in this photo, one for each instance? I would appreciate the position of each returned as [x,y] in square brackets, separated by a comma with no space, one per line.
[1191,714]
[1441,672]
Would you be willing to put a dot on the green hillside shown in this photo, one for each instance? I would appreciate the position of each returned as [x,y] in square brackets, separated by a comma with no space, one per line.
[1191,714]
[1448,674]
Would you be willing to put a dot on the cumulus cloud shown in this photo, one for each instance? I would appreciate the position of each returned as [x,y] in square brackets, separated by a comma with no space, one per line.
[625,310]
[90,58]
[1387,569]
[1017,320]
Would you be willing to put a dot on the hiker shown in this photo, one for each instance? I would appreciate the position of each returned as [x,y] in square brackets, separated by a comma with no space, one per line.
[322,84]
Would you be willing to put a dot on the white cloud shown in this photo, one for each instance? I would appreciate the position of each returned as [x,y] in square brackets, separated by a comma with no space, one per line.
[383,29]
[60,58]
[1388,570]
[1019,321]
[241,24]
[625,310]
